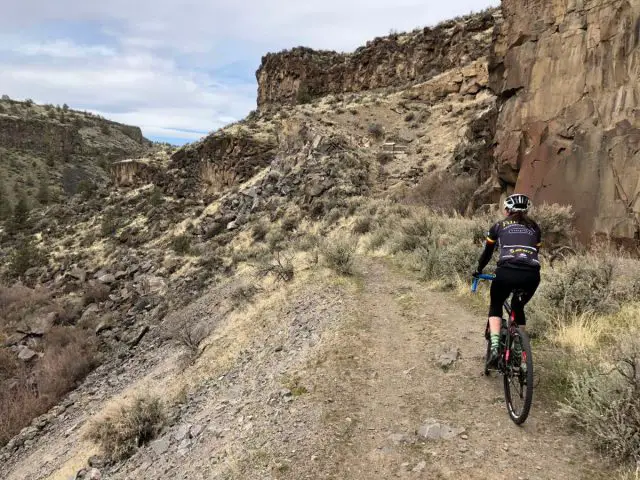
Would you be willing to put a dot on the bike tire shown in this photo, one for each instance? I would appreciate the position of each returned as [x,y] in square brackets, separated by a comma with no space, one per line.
[487,354]
[519,416]
[486,358]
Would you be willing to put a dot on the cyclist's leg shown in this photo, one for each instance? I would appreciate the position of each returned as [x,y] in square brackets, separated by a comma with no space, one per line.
[528,284]
[500,290]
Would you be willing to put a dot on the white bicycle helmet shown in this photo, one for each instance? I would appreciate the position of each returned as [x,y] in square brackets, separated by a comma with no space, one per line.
[517,203]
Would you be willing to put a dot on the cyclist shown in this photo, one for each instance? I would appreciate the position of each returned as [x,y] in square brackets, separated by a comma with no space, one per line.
[519,239]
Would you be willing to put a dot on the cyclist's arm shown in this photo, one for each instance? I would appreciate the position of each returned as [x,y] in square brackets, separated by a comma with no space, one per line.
[489,247]
[486,254]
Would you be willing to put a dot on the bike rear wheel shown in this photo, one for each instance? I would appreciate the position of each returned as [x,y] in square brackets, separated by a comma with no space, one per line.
[518,385]
[487,354]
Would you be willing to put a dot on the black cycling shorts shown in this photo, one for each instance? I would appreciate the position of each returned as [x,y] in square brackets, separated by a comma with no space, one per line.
[510,279]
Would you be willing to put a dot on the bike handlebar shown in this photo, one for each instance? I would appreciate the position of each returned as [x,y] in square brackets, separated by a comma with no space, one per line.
[482,276]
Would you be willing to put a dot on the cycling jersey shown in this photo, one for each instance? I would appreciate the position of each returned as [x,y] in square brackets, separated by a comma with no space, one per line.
[518,245]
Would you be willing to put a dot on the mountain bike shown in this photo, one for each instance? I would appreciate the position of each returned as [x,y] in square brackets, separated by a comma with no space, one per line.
[518,383]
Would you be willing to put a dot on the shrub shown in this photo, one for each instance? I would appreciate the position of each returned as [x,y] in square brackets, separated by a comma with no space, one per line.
[20,219]
[339,255]
[260,231]
[607,405]
[68,356]
[275,238]
[290,221]
[376,131]
[189,334]
[26,256]
[96,293]
[243,294]
[303,96]
[582,284]
[43,195]
[384,158]
[281,267]
[181,244]
[156,198]
[121,433]
[362,225]
[556,223]
[443,192]
[5,206]
[86,188]
[109,225]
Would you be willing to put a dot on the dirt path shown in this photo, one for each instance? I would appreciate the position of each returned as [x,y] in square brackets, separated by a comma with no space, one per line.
[395,385]
[332,379]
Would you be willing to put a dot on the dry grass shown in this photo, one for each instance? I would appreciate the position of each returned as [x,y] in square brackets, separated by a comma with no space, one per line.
[123,431]
[68,355]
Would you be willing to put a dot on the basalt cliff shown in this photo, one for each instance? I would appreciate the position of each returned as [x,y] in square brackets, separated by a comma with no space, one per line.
[564,74]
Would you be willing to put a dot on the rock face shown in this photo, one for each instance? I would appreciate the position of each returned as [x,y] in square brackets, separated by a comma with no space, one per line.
[297,75]
[131,172]
[221,160]
[566,73]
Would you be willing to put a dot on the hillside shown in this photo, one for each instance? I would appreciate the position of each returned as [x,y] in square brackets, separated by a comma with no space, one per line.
[47,152]
[289,296]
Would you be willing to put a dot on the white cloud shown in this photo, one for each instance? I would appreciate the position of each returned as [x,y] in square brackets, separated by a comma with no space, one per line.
[64,49]
[157,63]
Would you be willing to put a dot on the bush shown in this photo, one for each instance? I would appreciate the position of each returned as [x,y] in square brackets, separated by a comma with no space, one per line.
[376,131]
[362,225]
[5,206]
[86,188]
[68,356]
[26,256]
[96,293]
[109,225]
[583,284]
[156,198]
[260,231]
[556,223]
[291,221]
[181,244]
[606,405]
[384,158]
[281,267]
[190,335]
[339,254]
[20,219]
[121,433]
[443,192]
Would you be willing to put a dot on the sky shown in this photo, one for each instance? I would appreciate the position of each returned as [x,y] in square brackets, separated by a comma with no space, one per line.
[181,70]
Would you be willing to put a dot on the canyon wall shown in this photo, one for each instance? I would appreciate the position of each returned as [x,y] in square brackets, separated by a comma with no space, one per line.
[301,74]
[566,73]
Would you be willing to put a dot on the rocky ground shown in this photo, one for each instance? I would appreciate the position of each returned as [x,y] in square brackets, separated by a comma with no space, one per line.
[364,377]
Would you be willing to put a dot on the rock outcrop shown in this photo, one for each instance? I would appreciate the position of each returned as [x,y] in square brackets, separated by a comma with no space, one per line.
[221,160]
[300,74]
[568,131]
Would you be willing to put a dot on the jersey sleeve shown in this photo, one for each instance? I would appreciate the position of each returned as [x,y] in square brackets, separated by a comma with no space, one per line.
[492,236]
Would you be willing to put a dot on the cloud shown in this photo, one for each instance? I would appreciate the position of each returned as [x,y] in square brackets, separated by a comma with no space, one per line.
[64,49]
[181,68]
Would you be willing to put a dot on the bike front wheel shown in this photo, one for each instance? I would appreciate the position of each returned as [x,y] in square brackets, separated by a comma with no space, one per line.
[518,381]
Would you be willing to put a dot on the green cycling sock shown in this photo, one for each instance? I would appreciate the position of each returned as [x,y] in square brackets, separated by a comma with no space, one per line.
[495,340]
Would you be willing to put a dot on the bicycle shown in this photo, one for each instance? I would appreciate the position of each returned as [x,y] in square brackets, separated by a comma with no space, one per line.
[509,365]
